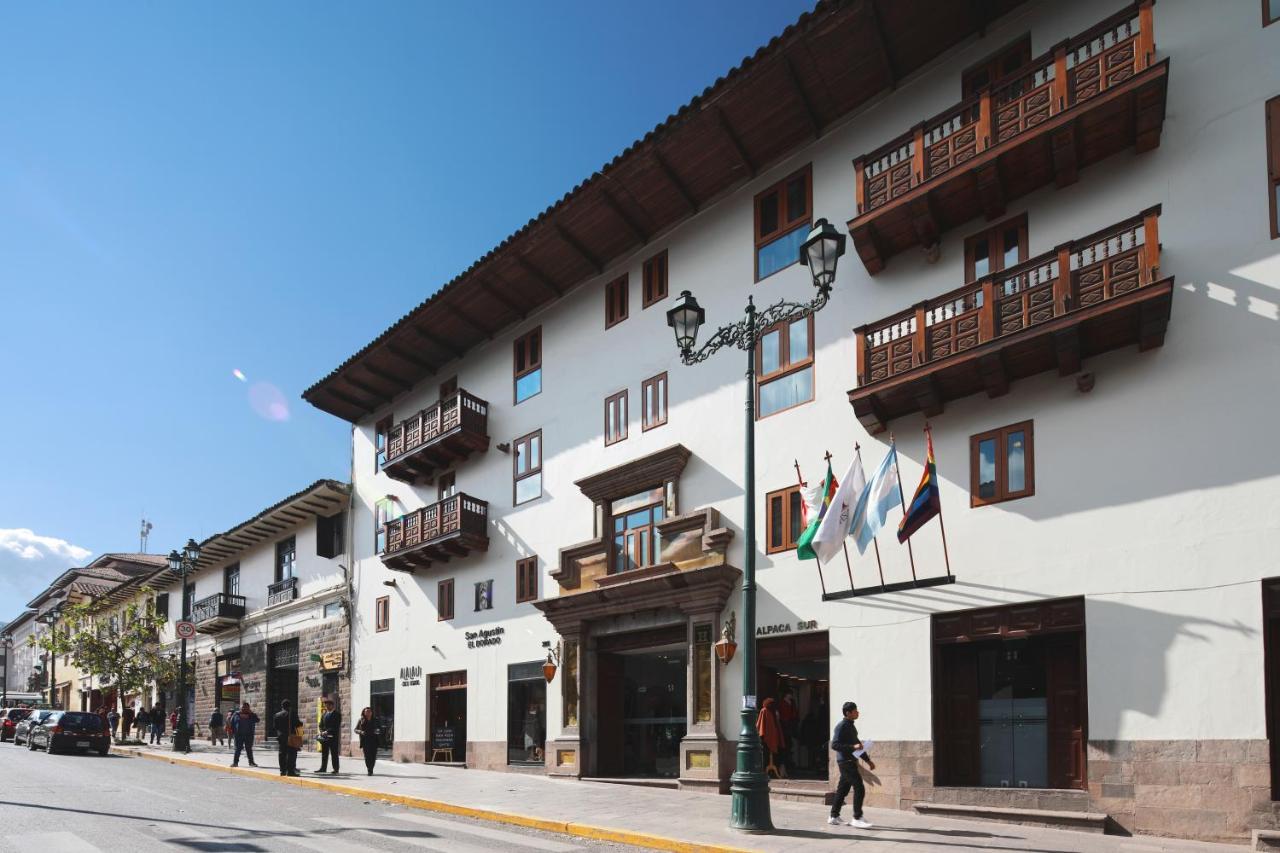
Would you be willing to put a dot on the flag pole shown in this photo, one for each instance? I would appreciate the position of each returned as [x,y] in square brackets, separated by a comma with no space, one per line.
[928,431]
[857,448]
[903,500]
[844,543]
[803,484]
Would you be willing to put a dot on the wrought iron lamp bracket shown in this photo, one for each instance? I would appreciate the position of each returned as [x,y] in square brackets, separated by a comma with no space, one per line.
[746,332]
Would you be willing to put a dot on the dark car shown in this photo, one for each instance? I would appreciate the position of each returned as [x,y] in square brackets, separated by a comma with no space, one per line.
[67,730]
[9,719]
[22,732]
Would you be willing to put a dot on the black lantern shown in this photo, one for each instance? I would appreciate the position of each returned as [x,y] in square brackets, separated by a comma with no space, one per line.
[686,317]
[821,251]
[175,561]
[192,551]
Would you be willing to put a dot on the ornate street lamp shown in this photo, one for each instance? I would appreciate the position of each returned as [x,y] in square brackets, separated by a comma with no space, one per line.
[820,252]
[50,617]
[183,564]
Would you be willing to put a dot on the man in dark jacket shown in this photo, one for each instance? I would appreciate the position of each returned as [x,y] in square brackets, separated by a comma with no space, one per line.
[283,725]
[845,742]
[244,725]
[330,735]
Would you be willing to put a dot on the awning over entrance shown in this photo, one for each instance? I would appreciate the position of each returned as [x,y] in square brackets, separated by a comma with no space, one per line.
[691,591]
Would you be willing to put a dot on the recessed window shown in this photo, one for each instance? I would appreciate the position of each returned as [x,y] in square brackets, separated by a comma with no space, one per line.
[637,541]
[286,558]
[526,461]
[444,600]
[784,367]
[484,595]
[446,485]
[653,402]
[783,214]
[528,365]
[332,610]
[381,437]
[997,248]
[330,535]
[381,515]
[615,301]
[231,579]
[382,612]
[1273,156]
[161,607]
[526,579]
[615,418]
[784,519]
[1002,465]
[655,279]
[188,597]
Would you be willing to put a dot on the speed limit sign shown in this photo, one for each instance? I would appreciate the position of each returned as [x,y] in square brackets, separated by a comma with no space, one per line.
[185,630]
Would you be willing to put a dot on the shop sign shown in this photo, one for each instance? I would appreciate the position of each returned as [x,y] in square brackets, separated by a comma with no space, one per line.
[330,661]
[786,628]
[444,737]
[410,676]
[485,637]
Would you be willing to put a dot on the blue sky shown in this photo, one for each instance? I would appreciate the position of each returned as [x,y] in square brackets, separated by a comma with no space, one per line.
[189,189]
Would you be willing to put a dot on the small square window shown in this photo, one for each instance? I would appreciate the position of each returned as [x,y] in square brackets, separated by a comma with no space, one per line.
[526,461]
[784,519]
[655,279]
[484,595]
[332,610]
[526,579]
[615,301]
[653,402]
[1002,465]
[528,365]
[997,248]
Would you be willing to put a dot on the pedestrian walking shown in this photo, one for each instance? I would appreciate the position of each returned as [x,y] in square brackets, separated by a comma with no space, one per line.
[244,724]
[215,727]
[142,722]
[173,723]
[370,732]
[845,742]
[285,725]
[113,720]
[126,722]
[157,725]
[330,736]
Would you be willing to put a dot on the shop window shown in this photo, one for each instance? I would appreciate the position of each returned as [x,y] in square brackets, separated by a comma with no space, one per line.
[381,515]
[526,461]
[784,519]
[330,535]
[382,613]
[286,558]
[526,579]
[615,418]
[526,713]
[444,600]
[382,701]
[637,541]
[784,367]
[1273,160]
[446,485]
[702,665]
[381,437]
[528,365]
[484,595]
[615,301]
[655,279]
[1002,465]
[1000,64]
[569,684]
[782,222]
[231,579]
[997,248]
[653,402]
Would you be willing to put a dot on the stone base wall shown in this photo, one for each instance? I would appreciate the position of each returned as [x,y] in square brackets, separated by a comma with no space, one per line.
[406,751]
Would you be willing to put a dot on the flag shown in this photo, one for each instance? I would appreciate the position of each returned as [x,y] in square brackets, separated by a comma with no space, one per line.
[927,501]
[875,501]
[816,501]
[835,524]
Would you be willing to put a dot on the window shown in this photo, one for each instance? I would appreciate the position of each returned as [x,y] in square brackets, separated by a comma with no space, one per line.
[636,539]
[784,519]
[526,579]
[381,515]
[782,222]
[1273,150]
[653,402]
[526,713]
[444,600]
[1004,62]
[784,367]
[484,595]
[161,607]
[382,612]
[447,485]
[330,533]
[615,301]
[528,365]
[615,418]
[1270,12]
[997,248]
[332,610]
[655,279]
[188,596]
[1002,465]
[449,387]
[381,438]
[526,464]
[231,579]
[286,558]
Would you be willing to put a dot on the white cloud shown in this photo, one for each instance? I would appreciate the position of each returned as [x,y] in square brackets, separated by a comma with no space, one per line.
[30,546]
[28,562]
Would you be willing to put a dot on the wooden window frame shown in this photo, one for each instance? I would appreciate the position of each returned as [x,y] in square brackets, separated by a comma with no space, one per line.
[660,386]
[653,280]
[1001,435]
[624,416]
[784,351]
[526,579]
[516,476]
[1021,45]
[786,223]
[229,572]
[1273,161]
[382,430]
[381,515]
[444,593]
[992,235]
[280,550]
[382,613]
[522,349]
[615,301]
[1267,19]
[446,485]
[788,544]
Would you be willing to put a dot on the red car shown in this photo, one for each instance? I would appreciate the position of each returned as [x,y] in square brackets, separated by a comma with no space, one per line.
[9,719]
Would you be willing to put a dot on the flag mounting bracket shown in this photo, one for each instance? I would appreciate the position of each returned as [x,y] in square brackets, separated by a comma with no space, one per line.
[891,587]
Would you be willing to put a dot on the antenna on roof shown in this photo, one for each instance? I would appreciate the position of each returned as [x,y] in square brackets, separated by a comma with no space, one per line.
[146,529]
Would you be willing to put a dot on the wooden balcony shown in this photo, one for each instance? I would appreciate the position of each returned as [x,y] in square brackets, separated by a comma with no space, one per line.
[217,613]
[1095,294]
[453,527]
[282,592]
[437,437]
[1090,97]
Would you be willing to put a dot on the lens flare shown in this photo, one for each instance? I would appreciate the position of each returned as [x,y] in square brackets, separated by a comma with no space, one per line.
[239,374]
[267,402]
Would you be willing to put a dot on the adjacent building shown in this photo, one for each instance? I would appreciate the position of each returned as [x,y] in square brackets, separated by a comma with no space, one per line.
[20,657]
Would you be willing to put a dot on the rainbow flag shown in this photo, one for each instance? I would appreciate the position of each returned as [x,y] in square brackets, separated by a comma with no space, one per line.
[815,508]
[926,502]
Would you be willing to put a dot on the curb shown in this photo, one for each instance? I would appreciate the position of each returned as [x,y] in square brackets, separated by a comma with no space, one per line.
[580,830]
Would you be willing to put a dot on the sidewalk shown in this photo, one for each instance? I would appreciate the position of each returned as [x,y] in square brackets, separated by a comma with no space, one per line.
[661,818]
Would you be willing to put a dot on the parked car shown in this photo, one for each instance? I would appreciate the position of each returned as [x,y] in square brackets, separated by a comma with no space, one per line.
[9,719]
[67,730]
[22,731]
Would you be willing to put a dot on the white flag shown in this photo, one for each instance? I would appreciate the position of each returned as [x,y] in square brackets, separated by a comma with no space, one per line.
[835,524]
[875,501]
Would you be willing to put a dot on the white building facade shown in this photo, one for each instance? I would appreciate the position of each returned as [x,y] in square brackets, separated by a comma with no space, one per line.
[1070,273]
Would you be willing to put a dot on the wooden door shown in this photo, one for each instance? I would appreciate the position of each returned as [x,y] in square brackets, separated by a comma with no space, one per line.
[956,716]
[1271,666]
[1067,711]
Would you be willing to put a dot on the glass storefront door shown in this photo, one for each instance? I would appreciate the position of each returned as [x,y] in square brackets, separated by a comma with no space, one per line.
[526,713]
[382,699]
[1013,715]
[654,711]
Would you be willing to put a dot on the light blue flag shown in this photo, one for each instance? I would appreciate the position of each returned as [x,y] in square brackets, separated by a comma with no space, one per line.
[876,500]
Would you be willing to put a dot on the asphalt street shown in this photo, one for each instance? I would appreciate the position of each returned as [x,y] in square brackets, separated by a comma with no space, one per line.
[89,803]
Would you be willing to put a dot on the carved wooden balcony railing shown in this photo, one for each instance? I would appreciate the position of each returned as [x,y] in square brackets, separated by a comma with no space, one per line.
[217,612]
[453,527]
[1086,297]
[1088,98]
[437,437]
[282,591]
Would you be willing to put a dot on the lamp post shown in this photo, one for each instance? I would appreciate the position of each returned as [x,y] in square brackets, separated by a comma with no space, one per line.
[820,252]
[6,639]
[50,617]
[183,564]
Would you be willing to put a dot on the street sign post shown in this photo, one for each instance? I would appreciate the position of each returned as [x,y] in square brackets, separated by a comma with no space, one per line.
[185,630]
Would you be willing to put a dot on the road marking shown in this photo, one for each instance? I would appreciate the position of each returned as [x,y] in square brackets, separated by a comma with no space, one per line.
[52,842]
[324,842]
[485,832]
[388,833]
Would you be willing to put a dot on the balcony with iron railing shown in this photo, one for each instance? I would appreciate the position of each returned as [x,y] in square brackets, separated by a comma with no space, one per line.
[1086,99]
[1095,294]
[282,591]
[437,437]
[218,612]
[453,527]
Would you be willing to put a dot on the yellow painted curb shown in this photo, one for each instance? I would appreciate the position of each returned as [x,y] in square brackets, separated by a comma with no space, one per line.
[581,830]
